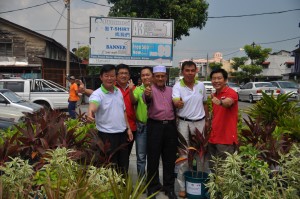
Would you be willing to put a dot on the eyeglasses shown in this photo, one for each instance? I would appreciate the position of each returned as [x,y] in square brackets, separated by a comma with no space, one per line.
[123,73]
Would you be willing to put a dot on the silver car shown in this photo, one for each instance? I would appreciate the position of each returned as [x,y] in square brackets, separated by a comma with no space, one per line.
[234,86]
[287,87]
[252,91]
[11,99]
[209,87]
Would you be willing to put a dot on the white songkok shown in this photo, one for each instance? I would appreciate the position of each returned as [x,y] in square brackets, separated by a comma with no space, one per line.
[159,69]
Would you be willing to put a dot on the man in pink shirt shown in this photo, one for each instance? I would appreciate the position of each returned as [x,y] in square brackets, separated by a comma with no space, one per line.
[161,133]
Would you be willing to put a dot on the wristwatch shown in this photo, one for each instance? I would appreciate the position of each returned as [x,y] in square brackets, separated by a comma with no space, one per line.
[221,102]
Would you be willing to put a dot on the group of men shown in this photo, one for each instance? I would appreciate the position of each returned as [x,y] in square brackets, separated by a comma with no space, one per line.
[152,114]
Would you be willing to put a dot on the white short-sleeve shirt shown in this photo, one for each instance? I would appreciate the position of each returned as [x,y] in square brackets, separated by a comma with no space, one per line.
[110,113]
[193,99]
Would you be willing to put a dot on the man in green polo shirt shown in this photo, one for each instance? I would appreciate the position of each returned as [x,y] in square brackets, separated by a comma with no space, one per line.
[141,117]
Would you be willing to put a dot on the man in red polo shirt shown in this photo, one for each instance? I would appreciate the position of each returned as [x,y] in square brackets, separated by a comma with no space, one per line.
[223,136]
[125,85]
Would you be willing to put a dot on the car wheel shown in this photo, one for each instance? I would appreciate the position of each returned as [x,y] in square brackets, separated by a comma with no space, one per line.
[251,99]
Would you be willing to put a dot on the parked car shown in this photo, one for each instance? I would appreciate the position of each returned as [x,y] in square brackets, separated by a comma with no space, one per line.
[4,123]
[287,87]
[12,113]
[11,99]
[44,92]
[252,91]
[209,87]
[234,86]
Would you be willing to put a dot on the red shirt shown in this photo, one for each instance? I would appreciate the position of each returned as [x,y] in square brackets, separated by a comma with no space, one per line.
[130,112]
[224,121]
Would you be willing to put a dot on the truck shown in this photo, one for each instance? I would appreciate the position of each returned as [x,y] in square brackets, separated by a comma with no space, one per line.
[40,91]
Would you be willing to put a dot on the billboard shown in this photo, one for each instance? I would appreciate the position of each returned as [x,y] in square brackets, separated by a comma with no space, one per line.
[131,41]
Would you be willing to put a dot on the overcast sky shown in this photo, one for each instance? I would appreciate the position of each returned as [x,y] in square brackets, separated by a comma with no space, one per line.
[226,35]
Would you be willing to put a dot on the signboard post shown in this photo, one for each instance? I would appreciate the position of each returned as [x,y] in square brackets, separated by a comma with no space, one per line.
[131,41]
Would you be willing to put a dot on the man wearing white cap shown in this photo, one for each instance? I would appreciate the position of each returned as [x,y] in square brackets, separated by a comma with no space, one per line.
[161,133]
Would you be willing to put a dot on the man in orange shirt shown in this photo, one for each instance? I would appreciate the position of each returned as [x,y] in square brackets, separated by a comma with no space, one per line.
[73,97]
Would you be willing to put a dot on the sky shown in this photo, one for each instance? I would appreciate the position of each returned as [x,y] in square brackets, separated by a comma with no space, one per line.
[225,35]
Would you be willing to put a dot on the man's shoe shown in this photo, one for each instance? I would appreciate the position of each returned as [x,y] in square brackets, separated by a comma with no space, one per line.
[182,194]
[171,194]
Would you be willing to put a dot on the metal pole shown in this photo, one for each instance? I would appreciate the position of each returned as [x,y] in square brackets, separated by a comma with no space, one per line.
[206,72]
[67,2]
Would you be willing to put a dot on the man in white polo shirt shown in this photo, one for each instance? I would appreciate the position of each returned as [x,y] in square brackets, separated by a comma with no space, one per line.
[107,108]
[189,97]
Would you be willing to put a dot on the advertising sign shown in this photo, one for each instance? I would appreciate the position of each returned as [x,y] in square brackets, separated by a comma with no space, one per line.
[131,41]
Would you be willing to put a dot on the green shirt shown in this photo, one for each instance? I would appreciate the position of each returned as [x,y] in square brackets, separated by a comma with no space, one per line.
[141,109]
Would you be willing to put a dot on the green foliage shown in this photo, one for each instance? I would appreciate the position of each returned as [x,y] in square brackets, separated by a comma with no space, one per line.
[215,65]
[246,175]
[186,14]
[238,61]
[83,52]
[16,178]
[174,72]
[250,71]
[270,109]
[257,54]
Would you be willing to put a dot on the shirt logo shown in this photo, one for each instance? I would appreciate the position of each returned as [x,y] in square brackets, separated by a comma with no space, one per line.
[200,91]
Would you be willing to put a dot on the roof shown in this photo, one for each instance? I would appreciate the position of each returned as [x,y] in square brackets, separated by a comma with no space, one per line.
[2,20]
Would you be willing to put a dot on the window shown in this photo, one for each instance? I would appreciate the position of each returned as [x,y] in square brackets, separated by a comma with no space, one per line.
[6,49]
[15,86]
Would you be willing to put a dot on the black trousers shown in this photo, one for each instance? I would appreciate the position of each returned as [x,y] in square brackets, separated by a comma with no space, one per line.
[120,157]
[161,141]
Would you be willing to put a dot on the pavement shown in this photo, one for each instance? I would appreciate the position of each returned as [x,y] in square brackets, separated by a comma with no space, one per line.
[132,164]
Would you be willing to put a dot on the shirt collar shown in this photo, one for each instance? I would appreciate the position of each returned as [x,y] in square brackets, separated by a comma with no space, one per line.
[106,91]
[183,84]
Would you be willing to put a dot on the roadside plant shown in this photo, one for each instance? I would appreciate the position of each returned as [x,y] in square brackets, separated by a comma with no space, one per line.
[246,175]
[16,178]
[196,149]
[269,139]
[270,109]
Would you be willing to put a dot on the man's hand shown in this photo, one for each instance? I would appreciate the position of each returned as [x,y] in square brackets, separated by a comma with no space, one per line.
[81,87]
[130,84]
[216,100]
[130,135]
[179,103]
[148,91]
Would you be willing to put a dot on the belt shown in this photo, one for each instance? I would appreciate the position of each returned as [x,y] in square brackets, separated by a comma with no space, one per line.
[188,120]
[161,121]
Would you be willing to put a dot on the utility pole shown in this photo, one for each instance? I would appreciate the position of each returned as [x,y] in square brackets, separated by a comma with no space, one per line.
[206,71]
[67,4]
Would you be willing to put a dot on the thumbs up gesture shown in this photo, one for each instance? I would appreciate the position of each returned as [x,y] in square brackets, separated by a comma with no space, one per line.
[148,91]
[179,103]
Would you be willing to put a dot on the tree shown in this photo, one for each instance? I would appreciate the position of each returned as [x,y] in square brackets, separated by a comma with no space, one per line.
[257,55]
[215,65]
[186,13]
[238,61]
[174,72]
[83,52]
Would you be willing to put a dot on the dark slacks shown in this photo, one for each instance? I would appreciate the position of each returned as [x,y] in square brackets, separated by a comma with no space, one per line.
[161,141]
[72,108]
[120,158]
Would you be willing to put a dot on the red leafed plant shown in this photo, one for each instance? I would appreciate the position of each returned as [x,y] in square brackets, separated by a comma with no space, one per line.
[197,146]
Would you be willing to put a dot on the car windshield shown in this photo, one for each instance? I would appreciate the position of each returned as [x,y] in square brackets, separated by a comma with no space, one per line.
[232,84]
[264,84]
[13,97]
[287,85]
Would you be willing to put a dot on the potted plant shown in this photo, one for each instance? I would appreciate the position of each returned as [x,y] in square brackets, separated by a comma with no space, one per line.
[192,152]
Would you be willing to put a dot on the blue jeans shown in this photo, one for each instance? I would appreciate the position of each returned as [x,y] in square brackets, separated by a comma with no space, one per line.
[71,109]
[141,148]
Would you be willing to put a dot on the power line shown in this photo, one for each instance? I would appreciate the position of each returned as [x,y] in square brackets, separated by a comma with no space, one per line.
[58,22]
[273,42]
[63,15]
[27,7]
[251,15]
[97,3]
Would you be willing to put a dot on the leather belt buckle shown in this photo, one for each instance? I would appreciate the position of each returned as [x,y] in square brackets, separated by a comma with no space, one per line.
[165,122]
